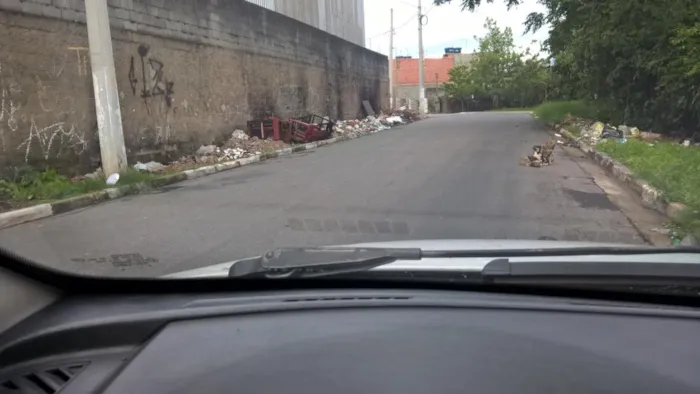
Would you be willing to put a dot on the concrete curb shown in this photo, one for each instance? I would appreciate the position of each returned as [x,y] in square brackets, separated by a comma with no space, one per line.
[651,197]
[24,215]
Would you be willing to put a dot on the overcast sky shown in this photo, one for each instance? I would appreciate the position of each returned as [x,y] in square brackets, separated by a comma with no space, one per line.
[447,26]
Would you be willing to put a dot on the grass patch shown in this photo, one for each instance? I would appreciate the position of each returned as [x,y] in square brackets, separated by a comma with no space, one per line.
[27,186]
[557,111]
[670,167]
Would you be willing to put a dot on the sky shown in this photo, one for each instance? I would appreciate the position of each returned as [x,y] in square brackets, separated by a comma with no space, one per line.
[447,25]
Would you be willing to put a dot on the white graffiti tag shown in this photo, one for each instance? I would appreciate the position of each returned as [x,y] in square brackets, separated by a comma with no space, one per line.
[7,116]
[45,137]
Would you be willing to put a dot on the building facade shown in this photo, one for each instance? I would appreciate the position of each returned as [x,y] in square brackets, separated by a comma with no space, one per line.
[436,74]
[342,18]
[406,81]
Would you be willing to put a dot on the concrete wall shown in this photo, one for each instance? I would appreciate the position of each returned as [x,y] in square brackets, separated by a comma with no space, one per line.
[343,18]
[188,71]
[407,95]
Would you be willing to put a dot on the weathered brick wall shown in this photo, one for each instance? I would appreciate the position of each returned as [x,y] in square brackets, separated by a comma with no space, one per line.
[188,71]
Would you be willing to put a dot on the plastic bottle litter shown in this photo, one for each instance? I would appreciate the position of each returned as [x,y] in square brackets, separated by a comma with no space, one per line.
[113,179]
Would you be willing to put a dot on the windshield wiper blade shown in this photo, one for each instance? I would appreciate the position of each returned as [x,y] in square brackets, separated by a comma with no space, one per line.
[503,270]
[316,262]
[324,261]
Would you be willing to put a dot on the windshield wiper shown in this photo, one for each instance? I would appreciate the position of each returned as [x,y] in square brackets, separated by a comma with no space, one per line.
[317,262]
[568,272]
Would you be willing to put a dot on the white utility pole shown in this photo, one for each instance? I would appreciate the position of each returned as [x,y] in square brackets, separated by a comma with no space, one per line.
[422,102]
[391,63]
[104,83]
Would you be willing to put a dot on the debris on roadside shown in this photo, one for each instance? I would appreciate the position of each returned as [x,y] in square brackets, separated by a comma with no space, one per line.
[611,133]
[97,174]
[206,150]
[273,133]
[151,166]
[625,131]
[372,124]
[394,120]
[112,179]
[689,240]
[634,132]
[239,134]
[311,128]
[648,136]
[592,132]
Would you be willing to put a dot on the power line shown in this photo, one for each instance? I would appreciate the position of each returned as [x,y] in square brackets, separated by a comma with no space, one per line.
[401,25]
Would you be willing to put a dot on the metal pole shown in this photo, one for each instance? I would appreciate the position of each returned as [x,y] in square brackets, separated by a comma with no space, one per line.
[104,83]
[422,102]
[391,63]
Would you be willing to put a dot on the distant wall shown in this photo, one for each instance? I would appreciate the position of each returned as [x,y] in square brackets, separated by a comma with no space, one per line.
[188,72]
[343,18]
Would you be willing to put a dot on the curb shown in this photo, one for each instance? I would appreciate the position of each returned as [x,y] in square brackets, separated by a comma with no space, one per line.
[36,212]
[651,197]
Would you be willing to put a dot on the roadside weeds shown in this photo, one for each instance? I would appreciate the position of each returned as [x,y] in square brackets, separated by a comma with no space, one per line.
[665,175]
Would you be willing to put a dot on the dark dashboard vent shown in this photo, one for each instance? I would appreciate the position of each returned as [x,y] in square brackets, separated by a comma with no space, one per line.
[41,381]
[354,298]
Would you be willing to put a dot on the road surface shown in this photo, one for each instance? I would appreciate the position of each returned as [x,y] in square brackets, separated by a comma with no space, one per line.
[450,176]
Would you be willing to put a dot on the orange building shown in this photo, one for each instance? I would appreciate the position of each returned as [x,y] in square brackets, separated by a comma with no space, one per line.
[435,71]
[406,80]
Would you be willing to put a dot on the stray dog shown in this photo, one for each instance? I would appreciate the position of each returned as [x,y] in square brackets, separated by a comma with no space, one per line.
[542,155]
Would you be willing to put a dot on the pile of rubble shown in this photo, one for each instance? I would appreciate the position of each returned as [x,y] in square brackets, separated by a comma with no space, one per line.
[240,145]
[593,132]
[355,128]
[237,147]
[372,124]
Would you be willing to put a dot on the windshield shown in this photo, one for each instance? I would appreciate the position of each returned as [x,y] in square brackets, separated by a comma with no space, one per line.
[164,140]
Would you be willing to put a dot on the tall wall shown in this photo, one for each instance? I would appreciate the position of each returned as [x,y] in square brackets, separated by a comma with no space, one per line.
[188,72]
[343,18]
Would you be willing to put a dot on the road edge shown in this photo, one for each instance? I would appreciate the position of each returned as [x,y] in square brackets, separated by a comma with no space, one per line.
[41,211]
[651,197]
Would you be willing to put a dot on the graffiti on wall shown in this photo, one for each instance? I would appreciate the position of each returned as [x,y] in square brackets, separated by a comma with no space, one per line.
[149,82]
[82,61]
[35,117]
[60,134]
[153,82]
[8,117]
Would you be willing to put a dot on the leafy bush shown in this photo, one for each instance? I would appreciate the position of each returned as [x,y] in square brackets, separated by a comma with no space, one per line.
[557,111]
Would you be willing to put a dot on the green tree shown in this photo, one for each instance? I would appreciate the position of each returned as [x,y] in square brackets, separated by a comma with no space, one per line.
[638,58]
[460,86]
[499,73]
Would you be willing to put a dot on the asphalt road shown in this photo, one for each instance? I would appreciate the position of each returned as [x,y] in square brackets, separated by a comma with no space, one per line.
[449,176]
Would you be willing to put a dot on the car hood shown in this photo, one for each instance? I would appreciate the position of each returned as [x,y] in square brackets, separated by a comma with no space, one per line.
[472,263]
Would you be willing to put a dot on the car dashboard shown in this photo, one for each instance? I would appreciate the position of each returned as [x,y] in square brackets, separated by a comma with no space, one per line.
[350,341]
